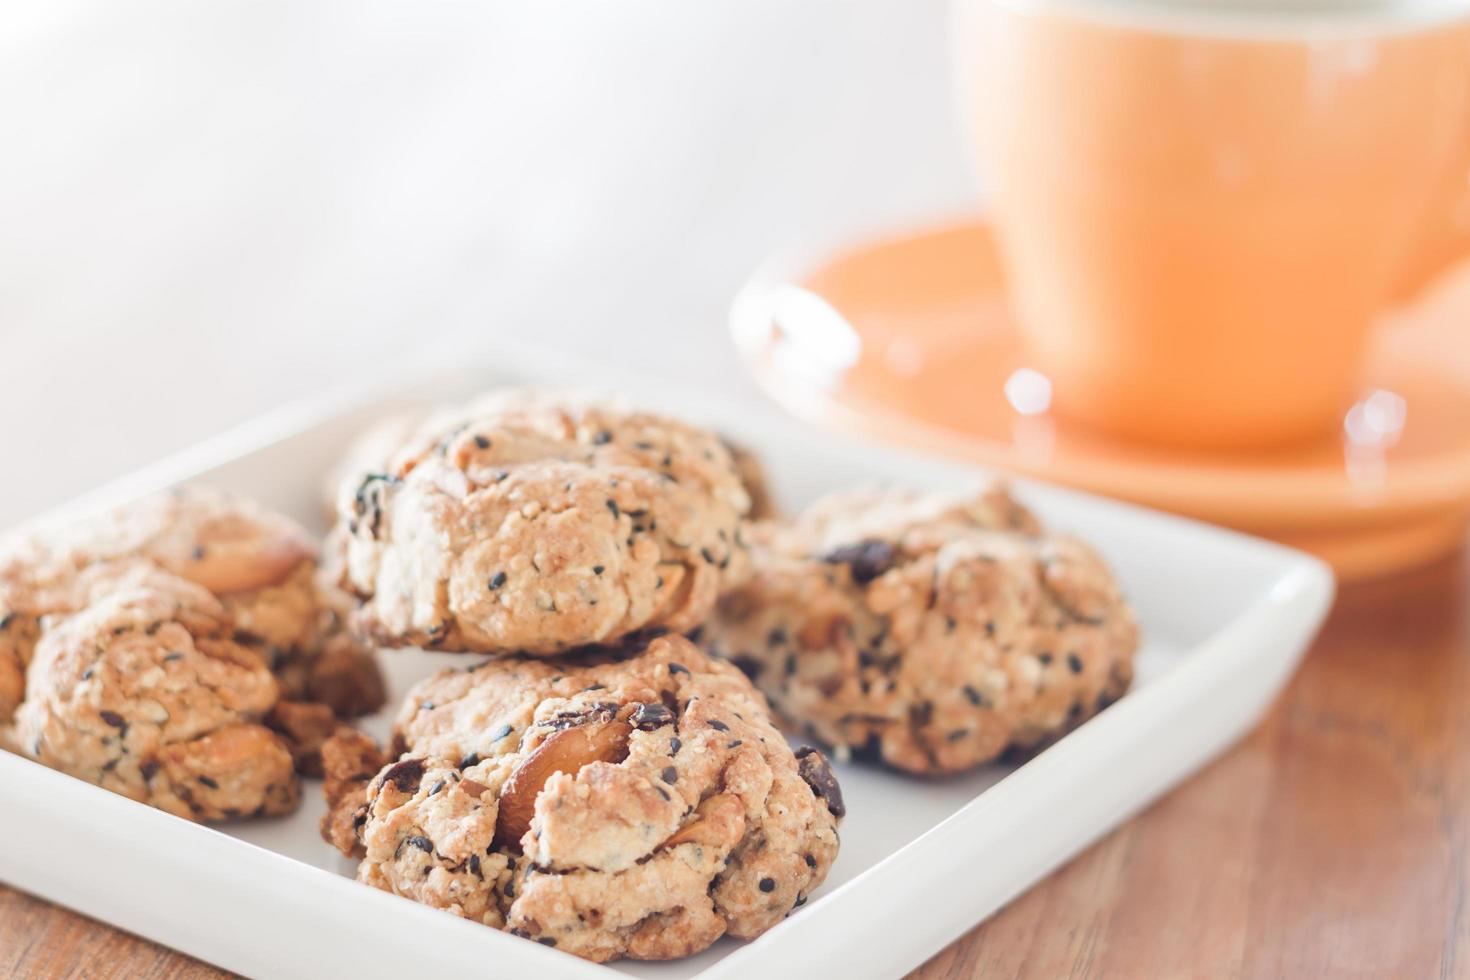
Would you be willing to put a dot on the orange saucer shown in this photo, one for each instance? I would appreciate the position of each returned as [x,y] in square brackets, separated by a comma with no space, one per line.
[908,338]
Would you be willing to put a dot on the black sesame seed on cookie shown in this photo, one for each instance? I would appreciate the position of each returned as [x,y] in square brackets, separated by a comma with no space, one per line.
[925,626]
[594,819]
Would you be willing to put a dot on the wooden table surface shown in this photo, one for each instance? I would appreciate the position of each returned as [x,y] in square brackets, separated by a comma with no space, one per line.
[1333,842]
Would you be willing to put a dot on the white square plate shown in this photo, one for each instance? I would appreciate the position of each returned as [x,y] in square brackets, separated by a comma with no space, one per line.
[1225,618]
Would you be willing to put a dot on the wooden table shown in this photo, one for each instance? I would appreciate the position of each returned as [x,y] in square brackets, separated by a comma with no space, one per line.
[1333,842]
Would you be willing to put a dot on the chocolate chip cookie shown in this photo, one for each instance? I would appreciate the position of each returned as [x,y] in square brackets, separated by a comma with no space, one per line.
[531,524]
[620,802]
[260,565]
[148,692]
[933,631]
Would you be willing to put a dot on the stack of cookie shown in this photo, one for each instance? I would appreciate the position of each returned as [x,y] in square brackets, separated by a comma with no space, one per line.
[599,784]
[182,651]
[602,774]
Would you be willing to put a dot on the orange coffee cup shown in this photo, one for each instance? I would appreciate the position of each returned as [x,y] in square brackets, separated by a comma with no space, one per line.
[1203,210]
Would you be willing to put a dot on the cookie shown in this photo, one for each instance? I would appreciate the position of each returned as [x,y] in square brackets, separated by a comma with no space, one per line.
[147,692]
[524,524]
[349,761]
[370,451]
[261,566]
[933,631]
[304,727]
[633,802]
[373,449]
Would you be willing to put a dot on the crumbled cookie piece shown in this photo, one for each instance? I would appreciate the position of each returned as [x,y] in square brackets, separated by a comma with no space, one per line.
[631,801]
[147,693]
[349,762]
[931,630]
[304,726]
[527,524]
[337,669]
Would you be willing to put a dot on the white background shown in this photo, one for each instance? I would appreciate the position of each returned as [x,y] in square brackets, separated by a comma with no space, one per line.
[209,209]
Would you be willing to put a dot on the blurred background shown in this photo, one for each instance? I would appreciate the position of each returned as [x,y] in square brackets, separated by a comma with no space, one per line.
[209,209]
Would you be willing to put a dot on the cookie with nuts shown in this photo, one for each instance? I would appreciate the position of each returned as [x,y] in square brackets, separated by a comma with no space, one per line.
[529,523]
[260,565]
[632,802]
[148,692]
[933,631]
